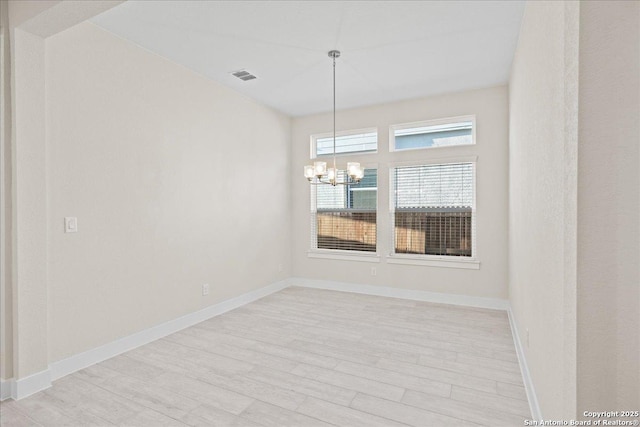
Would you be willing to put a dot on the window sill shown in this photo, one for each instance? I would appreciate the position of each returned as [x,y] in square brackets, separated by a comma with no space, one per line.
[434,261]
[344,255]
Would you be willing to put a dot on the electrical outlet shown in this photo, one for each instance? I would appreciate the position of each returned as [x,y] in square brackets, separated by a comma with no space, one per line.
[374,271]
[280,268]
[70,224]
[205,289]
[527,333]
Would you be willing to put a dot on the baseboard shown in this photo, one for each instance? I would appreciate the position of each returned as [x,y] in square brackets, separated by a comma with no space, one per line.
[91,357]
[5,389]
[25,387]
[536,414]
[385,291]
[464,300]
[42,380]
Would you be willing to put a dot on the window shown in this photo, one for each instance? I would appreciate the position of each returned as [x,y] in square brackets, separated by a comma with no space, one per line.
[358,141]
[432,134]
[433,209]
[344,217]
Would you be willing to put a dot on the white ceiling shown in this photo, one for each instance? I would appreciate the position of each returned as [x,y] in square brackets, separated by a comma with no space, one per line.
[391,50]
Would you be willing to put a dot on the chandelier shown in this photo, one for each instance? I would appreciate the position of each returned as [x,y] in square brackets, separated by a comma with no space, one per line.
[316,172]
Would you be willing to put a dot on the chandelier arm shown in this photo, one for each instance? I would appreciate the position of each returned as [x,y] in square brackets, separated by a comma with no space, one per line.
[348,182]
[331,183]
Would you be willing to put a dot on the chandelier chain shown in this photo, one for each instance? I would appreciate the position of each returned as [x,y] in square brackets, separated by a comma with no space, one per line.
[334,117]
[315,172]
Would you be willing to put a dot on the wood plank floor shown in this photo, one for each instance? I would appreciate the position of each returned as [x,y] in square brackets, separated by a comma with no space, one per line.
[303,357]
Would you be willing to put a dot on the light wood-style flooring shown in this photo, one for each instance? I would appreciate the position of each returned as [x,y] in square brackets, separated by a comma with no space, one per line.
[303,358]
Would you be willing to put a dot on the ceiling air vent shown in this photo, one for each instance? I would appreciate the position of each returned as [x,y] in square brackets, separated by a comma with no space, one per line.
[243,75]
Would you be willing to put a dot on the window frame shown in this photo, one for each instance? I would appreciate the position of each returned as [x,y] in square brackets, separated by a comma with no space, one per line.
[340,254]
[434,122]
[313,142]
[392,257]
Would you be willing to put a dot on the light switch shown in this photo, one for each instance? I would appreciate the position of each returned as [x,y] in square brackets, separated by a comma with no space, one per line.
[70,224]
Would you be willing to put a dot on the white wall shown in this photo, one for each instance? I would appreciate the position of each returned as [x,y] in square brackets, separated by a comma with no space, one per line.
[29,183]
[573,219]
[176,181]
[491,109]
[6,333]
[542,162]
[608,206]
[24,290]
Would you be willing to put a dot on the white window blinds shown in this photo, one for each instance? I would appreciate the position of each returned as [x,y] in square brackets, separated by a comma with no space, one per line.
[344,217]
[433,209]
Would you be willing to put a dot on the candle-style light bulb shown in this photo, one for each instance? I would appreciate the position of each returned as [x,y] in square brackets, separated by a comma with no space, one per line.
[320,168]
[309,172]
[331,174]
[353,168]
